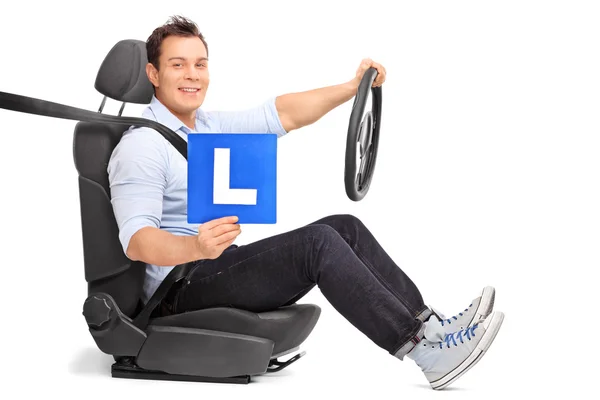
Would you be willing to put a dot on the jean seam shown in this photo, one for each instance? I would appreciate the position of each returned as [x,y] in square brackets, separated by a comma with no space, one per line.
[380,278]
[410,337]
[425,308]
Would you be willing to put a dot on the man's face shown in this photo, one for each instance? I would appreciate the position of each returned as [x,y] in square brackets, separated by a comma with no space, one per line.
[182,80]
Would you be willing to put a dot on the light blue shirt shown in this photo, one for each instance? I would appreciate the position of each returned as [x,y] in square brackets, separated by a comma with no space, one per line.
[148,176]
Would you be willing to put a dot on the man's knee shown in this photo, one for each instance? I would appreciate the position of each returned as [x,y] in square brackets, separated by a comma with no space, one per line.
[322,235]
[343,220]
[320,231]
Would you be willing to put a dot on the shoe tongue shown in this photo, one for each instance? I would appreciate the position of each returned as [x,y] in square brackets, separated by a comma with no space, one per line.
[437,313]
[434,331]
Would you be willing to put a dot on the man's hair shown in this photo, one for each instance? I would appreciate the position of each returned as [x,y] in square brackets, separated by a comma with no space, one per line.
[175,26]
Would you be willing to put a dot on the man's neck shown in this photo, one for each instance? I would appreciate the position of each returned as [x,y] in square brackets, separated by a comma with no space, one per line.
[188,119]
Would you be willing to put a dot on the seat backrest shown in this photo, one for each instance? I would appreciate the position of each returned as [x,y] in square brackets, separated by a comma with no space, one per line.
[121,77]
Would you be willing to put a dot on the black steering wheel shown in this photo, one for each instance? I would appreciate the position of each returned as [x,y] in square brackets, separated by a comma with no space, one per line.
[365,132]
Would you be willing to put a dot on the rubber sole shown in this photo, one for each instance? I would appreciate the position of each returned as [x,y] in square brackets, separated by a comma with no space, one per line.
[492,327]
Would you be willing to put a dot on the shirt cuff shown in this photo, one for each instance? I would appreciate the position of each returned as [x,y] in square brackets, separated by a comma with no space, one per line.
[131,227]
[273,120]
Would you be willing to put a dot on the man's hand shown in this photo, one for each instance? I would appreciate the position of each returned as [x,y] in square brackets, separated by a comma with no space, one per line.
[216,235]
[364,66]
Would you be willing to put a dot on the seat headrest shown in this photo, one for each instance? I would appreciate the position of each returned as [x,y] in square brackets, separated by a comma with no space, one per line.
[122,75]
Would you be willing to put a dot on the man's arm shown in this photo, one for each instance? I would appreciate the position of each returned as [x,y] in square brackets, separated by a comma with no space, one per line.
[297,110]
[156,246]
[286,112]
[138,172]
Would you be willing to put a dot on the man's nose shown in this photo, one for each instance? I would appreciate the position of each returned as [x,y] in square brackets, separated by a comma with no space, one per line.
[191,73]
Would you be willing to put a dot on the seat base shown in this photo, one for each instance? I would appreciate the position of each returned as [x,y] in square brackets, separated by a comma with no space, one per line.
[133,372]
[126,368]
[276,365]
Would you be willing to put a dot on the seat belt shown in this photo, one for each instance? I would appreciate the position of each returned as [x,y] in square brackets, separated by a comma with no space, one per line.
[45,108]
[178,273]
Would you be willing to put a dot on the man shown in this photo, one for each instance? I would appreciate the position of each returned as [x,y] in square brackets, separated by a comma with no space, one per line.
[148,182]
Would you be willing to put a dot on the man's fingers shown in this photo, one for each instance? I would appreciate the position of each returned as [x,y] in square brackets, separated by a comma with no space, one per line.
[227,237]
[222,229]
[380,74]
[227,243]
[367,63]
[364,65]
[221,247]
[219,221]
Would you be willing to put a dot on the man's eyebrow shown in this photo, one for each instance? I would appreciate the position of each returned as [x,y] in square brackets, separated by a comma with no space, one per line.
[183,58]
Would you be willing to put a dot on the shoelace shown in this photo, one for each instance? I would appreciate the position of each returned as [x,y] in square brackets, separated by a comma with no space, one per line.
[469,333]
[455,317]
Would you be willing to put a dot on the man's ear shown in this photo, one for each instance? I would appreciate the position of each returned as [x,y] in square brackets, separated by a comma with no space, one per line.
[152,74]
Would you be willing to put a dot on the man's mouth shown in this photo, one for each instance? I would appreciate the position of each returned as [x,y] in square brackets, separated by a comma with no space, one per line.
[189,89]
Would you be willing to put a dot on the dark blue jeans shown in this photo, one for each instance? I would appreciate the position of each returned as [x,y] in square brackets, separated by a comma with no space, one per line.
[339,255]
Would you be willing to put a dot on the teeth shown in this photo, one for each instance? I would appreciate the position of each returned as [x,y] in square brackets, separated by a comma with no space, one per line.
[189,90]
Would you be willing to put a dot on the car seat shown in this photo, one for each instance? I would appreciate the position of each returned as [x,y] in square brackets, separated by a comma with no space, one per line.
[211,345]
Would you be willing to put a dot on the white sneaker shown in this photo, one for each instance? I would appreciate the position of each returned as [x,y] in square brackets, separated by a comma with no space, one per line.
[444,358]
[480,308]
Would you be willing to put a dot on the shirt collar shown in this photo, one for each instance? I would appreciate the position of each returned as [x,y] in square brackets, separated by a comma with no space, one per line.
[166,117]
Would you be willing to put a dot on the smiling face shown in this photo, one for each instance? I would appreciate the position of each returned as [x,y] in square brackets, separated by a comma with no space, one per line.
[182,78]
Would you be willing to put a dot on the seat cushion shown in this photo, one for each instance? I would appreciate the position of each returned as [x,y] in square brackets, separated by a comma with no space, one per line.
[287,326]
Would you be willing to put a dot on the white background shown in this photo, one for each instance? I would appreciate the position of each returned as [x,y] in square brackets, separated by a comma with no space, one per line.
[488,174]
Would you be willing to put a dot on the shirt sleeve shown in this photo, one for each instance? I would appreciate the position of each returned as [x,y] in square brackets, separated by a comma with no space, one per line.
[261,119]
[138,172]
